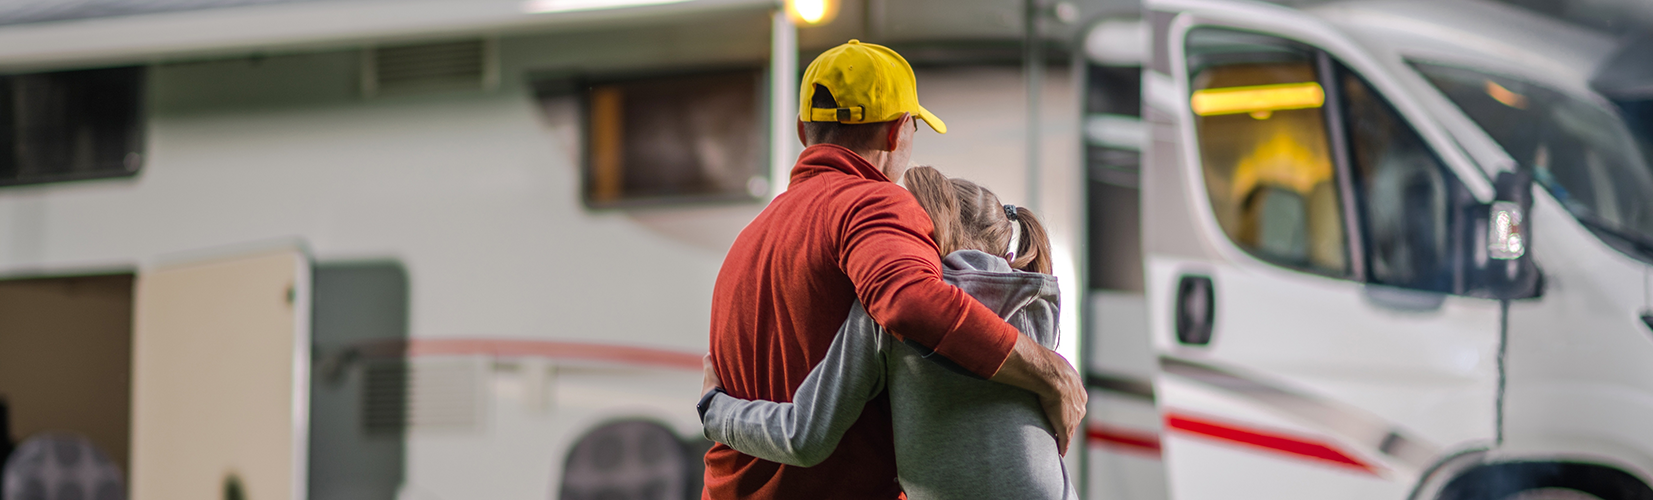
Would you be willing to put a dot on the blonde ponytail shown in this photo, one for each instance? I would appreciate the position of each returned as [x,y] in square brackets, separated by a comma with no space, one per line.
[968,216]
[1033,252]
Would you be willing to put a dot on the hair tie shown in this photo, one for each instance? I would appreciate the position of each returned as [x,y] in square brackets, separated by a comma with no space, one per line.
[1015,232]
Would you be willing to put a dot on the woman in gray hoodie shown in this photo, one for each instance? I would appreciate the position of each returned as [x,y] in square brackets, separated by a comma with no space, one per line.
[956,435]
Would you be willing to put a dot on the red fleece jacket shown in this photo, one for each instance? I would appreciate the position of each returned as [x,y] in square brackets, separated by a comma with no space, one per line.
[841,232]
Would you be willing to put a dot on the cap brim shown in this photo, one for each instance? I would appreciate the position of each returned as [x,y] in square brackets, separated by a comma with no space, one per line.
[931,120]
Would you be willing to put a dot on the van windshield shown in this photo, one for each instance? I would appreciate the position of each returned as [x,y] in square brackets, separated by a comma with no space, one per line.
[1582,153]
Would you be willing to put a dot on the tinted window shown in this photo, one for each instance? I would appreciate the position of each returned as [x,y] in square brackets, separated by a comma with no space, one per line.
[1264,149]
[1113,136]
[1581,152]
[70,125]
[1406,193]
[674,138]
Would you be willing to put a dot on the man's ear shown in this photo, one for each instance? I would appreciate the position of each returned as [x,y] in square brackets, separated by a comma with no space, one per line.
[892,136]
[801,139]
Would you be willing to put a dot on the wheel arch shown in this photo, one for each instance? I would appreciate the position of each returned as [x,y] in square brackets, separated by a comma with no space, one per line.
[1476,475]
[632,427]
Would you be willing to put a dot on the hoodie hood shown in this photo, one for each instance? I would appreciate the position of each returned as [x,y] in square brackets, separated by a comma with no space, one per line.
[1028,301]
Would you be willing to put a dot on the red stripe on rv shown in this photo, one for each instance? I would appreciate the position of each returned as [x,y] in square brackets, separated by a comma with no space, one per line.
[550,349]
[1127,439]
[1290,445]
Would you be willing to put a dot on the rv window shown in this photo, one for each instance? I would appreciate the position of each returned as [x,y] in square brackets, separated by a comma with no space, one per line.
[1406,192]
[71,125]
[1264,149]
[694,137]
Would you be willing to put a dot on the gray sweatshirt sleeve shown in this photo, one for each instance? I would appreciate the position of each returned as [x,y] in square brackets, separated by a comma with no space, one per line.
[806,431]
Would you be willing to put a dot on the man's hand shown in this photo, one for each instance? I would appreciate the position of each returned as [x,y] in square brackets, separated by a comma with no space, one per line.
[1032,367]
[708,381]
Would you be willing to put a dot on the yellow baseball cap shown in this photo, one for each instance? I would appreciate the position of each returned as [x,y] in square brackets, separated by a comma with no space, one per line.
[870,82]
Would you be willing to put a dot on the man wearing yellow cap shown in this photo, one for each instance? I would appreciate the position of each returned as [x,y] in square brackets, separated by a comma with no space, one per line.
[845,231]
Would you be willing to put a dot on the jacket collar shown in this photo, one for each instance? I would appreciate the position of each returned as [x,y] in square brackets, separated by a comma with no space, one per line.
[1007,292]
[824,158]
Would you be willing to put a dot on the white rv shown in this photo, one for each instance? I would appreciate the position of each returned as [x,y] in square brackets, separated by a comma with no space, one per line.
[1392,249]
[430,249]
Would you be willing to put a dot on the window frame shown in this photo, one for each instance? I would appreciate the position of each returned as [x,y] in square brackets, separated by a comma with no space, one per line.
[1337,136]
[1329,71]
[1336,142]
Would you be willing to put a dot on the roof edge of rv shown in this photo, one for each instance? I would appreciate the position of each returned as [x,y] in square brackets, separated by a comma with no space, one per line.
[304,26]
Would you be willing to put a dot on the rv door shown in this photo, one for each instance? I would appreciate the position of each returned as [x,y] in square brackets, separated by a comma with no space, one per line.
[220,378]
[1305,268]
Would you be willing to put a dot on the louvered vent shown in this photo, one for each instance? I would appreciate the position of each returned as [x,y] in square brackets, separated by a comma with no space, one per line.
[435,394]
[428,67]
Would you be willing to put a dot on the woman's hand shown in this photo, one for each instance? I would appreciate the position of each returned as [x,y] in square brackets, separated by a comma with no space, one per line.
[708,380]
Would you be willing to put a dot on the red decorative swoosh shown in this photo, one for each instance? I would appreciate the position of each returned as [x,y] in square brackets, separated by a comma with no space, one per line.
[1272,441]
[1128,439]
[537,348]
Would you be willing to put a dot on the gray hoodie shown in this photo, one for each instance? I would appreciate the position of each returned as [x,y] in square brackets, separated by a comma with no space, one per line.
[956,435]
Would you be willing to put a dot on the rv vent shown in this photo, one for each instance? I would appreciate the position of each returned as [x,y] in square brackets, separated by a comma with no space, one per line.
[465,65]
[437,394]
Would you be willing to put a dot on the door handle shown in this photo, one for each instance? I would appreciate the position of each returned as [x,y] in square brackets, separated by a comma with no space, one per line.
[1196,310]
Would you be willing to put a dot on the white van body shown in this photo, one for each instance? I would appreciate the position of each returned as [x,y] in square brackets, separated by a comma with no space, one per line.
[1321,387]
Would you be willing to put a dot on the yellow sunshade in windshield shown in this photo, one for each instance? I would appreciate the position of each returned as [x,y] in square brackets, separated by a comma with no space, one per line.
[1257,99]
[1282,162]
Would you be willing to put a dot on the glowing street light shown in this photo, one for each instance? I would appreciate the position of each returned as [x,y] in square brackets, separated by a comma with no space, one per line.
[811,12]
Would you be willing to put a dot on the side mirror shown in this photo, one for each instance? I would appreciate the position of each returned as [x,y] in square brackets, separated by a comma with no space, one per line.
[1498,259]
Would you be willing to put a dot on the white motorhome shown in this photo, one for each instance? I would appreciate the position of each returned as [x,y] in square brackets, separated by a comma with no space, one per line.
[1392,249]
[432,249]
